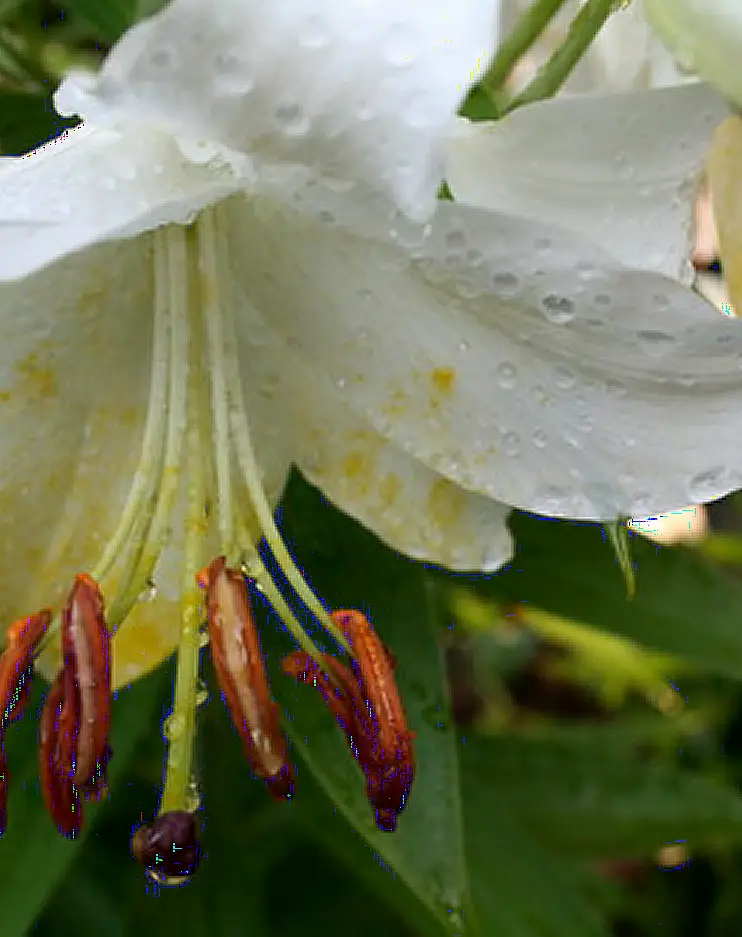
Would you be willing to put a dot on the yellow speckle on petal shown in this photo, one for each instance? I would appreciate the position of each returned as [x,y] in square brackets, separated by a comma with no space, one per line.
[443,380]
[446,505]
[397,404]
[38,380]
[389,489]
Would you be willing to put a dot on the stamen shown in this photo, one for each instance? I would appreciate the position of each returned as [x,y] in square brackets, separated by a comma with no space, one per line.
[224,366]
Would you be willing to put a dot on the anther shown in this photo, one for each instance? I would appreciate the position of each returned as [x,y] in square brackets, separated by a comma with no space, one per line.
[168,847]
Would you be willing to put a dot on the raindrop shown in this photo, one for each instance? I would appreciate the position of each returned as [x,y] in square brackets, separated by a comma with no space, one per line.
[602,299]
[292,119]
[202,693]
[231,77]
[558,309]
[455,239]
[660,302]
[149,592]
[654,342]
[584,423]
[586,270]
[203,636]
[686,380]
[615,388]
[161,58]
[192,797]
[341,383]
[511,444]
[539,438]
[173,727]
[564,378]
[506,283]
[464,345]
[507,375]
[474,258]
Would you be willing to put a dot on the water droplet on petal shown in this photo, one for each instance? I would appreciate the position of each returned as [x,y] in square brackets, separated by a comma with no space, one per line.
[558,309]
[564,378]
[539,438]
[655,343]
[507,375]
[292,120]
[455,239]
[173,727]
[231,76]
[506,283]
[511,444]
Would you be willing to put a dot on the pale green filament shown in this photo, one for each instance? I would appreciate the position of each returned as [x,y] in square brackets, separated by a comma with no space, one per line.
[224,368]
[180,727]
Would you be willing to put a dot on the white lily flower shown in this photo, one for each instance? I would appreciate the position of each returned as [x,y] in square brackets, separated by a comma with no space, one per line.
[218,255]
[706,38]
[140,307]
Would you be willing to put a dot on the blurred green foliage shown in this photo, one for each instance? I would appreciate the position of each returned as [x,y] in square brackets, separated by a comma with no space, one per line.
[554,761]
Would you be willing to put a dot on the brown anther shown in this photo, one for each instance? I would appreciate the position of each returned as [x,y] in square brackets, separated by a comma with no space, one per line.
[168,846]
[16,674]
[366,704]
[73,737]
[240,670]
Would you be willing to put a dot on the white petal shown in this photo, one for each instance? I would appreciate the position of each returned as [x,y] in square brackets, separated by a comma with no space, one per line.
[619,169]
[74,380]
[97,185]
[351,88]
[706,37]
[296,408]
[515,359]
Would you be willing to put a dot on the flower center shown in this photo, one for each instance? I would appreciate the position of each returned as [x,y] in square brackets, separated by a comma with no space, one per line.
[197,451]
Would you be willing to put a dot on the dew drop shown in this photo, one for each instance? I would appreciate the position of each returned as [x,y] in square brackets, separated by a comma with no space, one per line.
[511,444]
[584,423]
[173,727]
[203,636]
[455,239]
[615,388]
[192,797]
[564,378]
[655,343]
[341,383]
[686,380]
[558,309]
[506,283]
[507,375]
[539,438]
[464,345]
[602,299]
[231,76]
[202,693]
[292,119]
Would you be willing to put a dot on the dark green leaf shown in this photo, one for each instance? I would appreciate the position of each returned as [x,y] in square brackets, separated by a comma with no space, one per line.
[683,604]
[33,856]
[351,569]
[27,120]
[579,796]
[107,19]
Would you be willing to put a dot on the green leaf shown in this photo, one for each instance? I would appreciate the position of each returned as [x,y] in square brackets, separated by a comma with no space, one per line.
[684,604]
[33,856]
[519,888]
[350,568]
[27,120]
[584,796]
[108,19]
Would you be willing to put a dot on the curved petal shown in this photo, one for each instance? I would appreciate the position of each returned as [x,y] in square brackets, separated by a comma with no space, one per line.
[352,89]
[97,185]
[295,408]
[706,37]
[515,359]
[74,377]
[619,169]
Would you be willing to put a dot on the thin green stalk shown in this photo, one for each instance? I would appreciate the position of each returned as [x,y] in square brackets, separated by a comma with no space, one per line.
[583,29]
[526,31]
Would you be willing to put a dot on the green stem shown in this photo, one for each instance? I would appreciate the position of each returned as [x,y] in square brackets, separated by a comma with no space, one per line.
[526,31]
[583,29]
[25,64]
